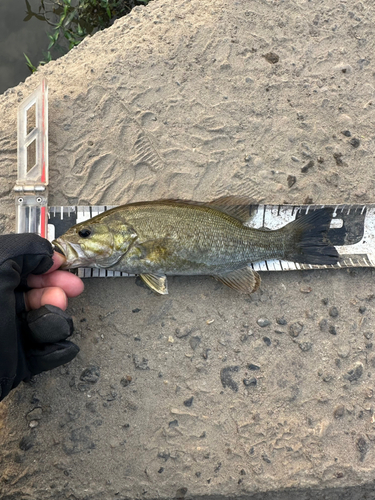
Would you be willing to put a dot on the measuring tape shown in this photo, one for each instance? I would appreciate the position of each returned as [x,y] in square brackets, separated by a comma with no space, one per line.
[352,229]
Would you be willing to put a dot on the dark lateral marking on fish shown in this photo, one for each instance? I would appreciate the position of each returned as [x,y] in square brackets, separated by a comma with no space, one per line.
[226,377]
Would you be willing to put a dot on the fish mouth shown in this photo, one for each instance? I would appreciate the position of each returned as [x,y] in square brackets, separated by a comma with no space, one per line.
[58,247]
[73,253]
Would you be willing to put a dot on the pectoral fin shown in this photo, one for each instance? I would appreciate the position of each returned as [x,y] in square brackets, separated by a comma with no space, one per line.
[157,283]
[243,280]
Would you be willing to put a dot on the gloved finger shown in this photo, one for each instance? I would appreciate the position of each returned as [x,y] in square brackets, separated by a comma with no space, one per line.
[38,297]
[58,261]
[51,356]
[70,283]
[49,324]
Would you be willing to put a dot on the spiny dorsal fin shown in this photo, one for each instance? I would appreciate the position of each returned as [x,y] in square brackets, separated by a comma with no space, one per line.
[235,206]
[243,280]
[157,283]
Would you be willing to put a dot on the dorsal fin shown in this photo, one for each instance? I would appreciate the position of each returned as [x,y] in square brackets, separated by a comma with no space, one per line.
[235,206]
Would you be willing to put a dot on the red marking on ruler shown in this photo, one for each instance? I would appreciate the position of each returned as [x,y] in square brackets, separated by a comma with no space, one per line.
[43,222]
[43,177]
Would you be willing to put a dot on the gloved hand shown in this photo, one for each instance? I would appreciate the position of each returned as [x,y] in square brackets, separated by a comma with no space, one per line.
[32,341]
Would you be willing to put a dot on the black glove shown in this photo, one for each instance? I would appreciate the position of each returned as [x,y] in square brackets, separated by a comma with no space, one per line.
[34,341]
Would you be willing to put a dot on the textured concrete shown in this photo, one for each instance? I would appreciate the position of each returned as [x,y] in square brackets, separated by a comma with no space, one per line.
[187,395]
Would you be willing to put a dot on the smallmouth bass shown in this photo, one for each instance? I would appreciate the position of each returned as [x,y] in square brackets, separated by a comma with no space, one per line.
[172,237]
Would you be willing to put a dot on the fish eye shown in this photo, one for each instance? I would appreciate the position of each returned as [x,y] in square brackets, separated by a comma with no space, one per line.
[85,232]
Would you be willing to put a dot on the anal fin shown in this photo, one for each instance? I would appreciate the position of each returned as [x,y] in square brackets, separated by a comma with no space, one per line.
[157,283]
[243,280]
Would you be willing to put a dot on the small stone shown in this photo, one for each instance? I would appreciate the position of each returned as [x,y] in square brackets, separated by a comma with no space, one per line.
[355,142]
[362,447]
[338,159]
[125,381]
[295,329]
[281,321]
[368,335]
[173,424]
[307,167]
[253,367]
[35,414]
[339,411]
[194,342]
[362,309]
[140,364]
[333,312]
[291,180]
[347,133]
[271,57]
[267,341]
[332,330]
[306,289]
[136,310]
[33,424]
[189,402]
[250,382]
[325,301]
[90,374]
[226,377]
[320,159]
[305,346]
[323,325]
[262,322]
[26,443]
[355,373]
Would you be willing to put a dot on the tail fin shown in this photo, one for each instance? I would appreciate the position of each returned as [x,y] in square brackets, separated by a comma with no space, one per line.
[308,239]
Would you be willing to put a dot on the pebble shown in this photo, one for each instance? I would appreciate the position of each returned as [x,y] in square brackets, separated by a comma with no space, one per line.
[90,374]
[125,381]
[333,312]
[368,335]
[295,329]
[291,180]
[281,321]
[305,346]
[26,443]
[332,330]
[339,411]
[362,309]
[325,301]
[347,133]
[194,342]
[250,382]
[253,367]
[355,373]
[188,402]
[140,364]
[226,377]
[267,341]
[362,447]
[262,322]
[271,57]
[35,414]
[323,325]
[307,167]
[355,142]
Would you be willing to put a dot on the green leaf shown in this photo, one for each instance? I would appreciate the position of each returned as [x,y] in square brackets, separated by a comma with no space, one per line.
[30,64]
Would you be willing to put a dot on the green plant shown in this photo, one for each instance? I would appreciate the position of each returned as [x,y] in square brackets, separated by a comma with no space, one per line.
[75,20]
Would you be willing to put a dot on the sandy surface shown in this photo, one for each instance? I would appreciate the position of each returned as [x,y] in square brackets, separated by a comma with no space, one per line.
[206,393]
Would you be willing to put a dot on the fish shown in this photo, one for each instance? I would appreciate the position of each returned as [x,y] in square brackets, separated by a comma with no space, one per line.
[156,239]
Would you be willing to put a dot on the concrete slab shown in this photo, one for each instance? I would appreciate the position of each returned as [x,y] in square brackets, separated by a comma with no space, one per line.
[206,393]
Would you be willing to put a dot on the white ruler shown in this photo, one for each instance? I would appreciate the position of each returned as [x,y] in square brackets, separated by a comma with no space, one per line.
[352,232]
